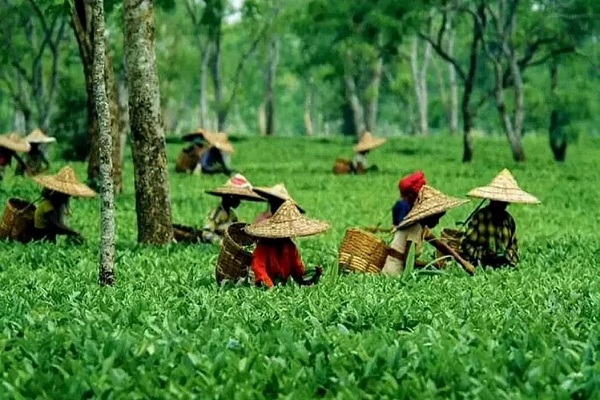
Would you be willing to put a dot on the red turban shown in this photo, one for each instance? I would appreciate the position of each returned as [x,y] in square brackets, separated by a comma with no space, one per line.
[412,183]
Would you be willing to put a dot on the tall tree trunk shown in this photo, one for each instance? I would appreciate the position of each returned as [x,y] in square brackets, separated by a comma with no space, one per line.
[270,86]
[419,76]
[123,98]
[519,112]
[106,275]
[453,87]
[373,95]
[83,28]
[353,101]
[309,104]
[218,83]
[558,141]
[152,203]
[205,58]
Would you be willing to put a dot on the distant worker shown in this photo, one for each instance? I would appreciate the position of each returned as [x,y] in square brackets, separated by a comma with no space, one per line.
[359,164]
[36,159]
[275,196]
[10,144]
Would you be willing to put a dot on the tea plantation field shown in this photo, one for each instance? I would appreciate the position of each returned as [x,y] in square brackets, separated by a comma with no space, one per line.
[167,331]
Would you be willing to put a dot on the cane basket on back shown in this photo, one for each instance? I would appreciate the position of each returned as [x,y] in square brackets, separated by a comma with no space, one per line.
[235,258]
[17,220]
[362,252]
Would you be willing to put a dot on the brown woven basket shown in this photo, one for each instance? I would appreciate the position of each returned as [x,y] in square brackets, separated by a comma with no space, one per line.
[234,259]
[362,252]
[452,238]
[186,234]
[187,161]
[342,166]
[17,220]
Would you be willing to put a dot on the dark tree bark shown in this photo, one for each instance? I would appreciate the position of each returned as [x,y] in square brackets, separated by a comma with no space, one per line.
[558,140]
[83,28]
[152,203]
[106,274]
[271,75]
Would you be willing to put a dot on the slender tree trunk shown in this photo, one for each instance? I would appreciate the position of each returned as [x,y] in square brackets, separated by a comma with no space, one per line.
[204,61]
[106,274]
[309,108]
[123,97]
[373,96]
[83,28]
[218,83]
[262,119]
[270,86]
[358,114]
[558,141]
[153,206]
[453,88]
[419,76]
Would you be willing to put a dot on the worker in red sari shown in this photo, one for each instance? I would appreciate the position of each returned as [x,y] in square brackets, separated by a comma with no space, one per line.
[276,258]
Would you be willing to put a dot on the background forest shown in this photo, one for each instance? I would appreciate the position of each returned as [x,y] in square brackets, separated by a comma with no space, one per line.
[319,67]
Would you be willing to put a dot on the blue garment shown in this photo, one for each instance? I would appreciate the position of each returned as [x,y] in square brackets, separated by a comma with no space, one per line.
[400,211]
[212,161]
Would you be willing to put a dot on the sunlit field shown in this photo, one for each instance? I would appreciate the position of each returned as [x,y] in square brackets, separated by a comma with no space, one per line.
[166,330]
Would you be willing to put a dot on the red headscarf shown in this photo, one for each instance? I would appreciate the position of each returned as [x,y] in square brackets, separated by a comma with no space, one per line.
[412,183]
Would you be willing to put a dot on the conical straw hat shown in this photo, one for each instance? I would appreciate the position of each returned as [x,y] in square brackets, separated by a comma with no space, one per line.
[278,191]
[287,222]
[194,135]
[37,136]
[13,141]
[504,188]
[65,181]
[239,186]
[368,142]
[430,202]
[220,141]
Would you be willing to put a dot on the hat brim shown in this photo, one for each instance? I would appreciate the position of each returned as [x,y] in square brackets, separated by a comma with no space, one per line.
[370,145]
[192,136]
[74,189]
[45,140]
[288,229]
[268,193]
[506,195]
[440,207]
[242,193]
[22,147]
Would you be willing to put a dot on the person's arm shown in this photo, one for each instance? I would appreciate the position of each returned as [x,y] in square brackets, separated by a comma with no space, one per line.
[21,162]
[399,212]
[298,270]
[57,226]
[259,266]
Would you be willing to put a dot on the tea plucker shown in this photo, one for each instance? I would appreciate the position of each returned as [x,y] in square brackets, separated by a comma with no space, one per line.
[491,235]
[52,211]
[276,258]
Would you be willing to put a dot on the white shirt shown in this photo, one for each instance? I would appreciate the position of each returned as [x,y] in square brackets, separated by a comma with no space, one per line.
[413,233]
[359,159]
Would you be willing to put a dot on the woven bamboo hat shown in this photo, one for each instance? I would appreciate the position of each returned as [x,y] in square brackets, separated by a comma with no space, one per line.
[220,141]
[504,188]
[13,141]
[278,191]
[37,136]
[430,202]
[238,186]
[194,135]
[287,222]
[368,142]
[65,181]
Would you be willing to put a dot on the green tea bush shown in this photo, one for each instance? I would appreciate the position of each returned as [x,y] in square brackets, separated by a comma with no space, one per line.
[167,331]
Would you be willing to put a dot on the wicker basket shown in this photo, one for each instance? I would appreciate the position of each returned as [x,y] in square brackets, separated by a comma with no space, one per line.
[186,234]
[362,252]
[452,238]
[234,259]
[342,166]
[17,220]
[187,160]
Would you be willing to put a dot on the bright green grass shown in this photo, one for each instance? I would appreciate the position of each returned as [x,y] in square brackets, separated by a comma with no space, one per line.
[167,331]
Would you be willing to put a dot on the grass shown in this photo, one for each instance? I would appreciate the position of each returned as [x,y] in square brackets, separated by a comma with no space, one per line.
[167,331]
